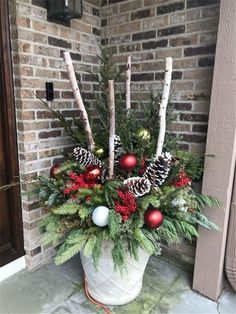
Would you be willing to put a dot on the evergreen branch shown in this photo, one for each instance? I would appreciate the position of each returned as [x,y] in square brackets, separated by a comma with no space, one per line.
[68,208]
[192,163]
[51,238]
[185,229]
[144,242]
[97,249]
[53,224]
[114,224]
[78,137]
[50,226]
[119,255]
[150,199]
[203,201]
[90,246]
[152,236]
[75,236]
[110,188]
[202,220]
[84,212]
[133,248]
[46,221]
[67,251]
[168,232]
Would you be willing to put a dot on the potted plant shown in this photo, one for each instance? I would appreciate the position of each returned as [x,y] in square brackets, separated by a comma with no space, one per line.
[116,209]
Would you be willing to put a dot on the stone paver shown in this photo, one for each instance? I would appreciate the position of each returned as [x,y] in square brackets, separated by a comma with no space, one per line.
[227,302]
[40,291]
[59,290]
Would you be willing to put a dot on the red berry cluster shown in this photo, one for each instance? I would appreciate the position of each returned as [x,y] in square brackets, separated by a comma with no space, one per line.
[126,204]
[182,180]
[76,183]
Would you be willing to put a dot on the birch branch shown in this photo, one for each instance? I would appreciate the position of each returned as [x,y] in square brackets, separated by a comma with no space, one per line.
[163,105]
[79,100]
[112,128]
[127,83]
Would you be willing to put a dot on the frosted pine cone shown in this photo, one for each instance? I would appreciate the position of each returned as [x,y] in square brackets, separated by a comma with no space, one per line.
[85,158]
[138,186]
[157,171]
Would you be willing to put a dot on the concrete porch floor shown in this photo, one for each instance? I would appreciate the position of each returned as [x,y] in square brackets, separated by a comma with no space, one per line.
[59,290]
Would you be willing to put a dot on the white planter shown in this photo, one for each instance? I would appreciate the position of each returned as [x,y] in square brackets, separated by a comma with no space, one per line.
[110,287]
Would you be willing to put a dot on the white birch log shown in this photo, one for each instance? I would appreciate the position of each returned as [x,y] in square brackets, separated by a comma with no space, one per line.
[112,128]
[127,84]
[163,106]
[79,100]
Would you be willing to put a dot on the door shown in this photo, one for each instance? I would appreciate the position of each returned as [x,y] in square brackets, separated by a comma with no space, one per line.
[11,231]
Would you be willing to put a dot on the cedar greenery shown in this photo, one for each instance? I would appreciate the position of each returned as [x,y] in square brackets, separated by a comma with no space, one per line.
[70,222]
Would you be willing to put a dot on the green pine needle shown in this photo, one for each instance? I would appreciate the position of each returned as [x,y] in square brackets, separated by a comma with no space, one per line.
[67,251]
[114,222]
[206,201]
[144,242]
[69,208]
[90,245]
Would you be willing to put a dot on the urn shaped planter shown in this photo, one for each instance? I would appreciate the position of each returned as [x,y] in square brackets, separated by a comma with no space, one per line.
[108,286]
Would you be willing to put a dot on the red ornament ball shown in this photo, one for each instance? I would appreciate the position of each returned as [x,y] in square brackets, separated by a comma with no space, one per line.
[92,173]
[153,218]
[54,170]
[128,162]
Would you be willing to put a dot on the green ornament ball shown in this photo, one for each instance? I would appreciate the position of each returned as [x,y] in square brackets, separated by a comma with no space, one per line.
[99,151]
[143,134]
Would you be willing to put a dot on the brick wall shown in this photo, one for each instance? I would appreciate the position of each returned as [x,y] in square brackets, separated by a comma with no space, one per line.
[151,30]
[37,45]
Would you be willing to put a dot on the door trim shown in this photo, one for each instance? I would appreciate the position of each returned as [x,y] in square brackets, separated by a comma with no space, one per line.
[16,249]
[12,268]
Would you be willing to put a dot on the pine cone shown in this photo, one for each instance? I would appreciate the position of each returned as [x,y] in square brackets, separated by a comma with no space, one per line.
[85,158]
[104,175]
[157,172]
[138,186]
[118,147]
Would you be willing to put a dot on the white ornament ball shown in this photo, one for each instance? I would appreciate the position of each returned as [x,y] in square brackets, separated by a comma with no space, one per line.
[100,216]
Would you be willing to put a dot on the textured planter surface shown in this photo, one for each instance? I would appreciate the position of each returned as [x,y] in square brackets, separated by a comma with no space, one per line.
[110,287]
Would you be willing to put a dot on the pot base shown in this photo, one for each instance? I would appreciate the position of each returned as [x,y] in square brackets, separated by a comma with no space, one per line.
[108,286]
[116,300]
